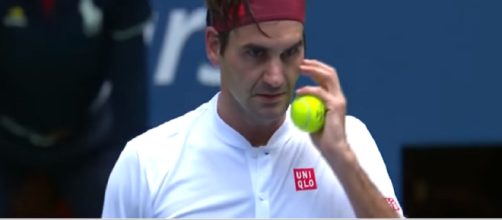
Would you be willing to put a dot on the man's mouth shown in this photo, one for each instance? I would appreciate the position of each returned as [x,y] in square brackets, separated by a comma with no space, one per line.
[270,96]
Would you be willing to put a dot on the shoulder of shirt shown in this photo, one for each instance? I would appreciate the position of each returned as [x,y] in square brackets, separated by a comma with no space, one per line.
[358,135]
[353,123]
[362,142]
[161,139]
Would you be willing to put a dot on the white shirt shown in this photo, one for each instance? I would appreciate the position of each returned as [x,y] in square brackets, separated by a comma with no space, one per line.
[196,166]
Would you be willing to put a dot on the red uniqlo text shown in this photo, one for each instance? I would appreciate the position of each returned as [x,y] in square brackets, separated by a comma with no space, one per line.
[393,204]
[305,179]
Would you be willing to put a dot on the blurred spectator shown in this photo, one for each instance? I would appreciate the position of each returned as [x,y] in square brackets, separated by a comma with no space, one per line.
[72,91]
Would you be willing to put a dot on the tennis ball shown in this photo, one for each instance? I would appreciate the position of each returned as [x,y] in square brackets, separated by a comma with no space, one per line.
[307,112]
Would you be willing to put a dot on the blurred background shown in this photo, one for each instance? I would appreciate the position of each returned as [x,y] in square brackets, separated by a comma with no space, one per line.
[423,75]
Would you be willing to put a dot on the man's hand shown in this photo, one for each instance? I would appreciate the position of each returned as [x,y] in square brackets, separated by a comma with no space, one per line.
[332,142]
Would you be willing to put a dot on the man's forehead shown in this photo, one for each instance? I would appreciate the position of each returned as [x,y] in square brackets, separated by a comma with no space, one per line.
[282,33]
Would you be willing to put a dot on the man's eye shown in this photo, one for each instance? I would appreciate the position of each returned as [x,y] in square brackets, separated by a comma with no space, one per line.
[255,52]
[291,52]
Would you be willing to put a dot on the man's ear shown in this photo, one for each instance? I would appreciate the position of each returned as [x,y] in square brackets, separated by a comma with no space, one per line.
[212,45]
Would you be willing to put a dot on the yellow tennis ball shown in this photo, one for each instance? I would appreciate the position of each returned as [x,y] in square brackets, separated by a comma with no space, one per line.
[307,112]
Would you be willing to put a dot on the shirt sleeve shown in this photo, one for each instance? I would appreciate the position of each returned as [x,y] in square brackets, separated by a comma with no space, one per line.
[370,159]
[126,193]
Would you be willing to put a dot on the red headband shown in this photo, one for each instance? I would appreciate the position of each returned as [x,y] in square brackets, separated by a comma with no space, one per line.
[263,10]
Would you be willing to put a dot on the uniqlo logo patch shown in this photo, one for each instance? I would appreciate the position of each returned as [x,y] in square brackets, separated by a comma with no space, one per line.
[305,179]
[392,203]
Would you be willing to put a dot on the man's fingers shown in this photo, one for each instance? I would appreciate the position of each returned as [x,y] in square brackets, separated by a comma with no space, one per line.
[320,64]
[323,74]
[320,76]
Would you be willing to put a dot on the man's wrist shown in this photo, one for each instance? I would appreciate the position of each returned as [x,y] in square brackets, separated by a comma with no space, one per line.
[340,157]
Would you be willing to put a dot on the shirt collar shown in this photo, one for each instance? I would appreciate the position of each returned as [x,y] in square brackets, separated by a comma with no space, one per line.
[233,138]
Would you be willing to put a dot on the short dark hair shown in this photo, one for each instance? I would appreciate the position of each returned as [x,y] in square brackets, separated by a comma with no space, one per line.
[219,10]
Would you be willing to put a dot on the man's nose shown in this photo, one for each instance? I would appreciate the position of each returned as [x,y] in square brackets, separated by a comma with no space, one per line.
[274,75]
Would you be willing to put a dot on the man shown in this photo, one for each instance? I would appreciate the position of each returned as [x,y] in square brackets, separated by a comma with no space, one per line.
[239,155]
[72,92]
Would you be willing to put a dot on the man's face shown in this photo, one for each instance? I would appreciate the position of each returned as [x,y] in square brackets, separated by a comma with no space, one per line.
[259,72]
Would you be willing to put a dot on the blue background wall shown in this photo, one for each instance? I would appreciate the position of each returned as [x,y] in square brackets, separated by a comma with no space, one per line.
[416,72]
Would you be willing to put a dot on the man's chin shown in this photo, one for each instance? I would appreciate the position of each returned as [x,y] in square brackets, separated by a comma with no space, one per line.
[272,114]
